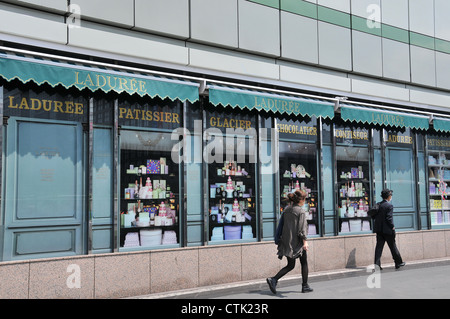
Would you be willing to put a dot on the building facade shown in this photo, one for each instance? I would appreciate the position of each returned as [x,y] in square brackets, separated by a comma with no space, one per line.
[164,126]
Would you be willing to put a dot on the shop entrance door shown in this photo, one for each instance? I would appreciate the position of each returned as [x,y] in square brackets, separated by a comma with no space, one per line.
[400,177]
[43,189]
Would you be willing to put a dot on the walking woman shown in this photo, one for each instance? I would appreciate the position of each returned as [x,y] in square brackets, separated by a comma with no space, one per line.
[293,243]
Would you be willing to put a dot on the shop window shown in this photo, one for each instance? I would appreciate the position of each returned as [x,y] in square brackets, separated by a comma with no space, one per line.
[230,153]
[298,166]
[353,179]
[439,180]
[149,175]
[298,170]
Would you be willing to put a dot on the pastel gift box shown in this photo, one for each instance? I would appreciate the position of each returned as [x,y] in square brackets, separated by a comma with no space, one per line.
[247,232]
[153,167]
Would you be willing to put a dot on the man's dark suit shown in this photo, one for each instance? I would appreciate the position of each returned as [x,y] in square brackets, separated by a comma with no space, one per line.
[384,227]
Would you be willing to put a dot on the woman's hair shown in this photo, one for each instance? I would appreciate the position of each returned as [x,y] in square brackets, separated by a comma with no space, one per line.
[297,196]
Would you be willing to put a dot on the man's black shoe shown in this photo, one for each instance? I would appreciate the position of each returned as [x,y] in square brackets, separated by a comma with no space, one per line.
[397,266]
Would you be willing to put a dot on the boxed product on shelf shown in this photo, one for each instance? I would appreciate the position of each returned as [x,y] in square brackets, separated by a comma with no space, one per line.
[127,219]
[247,232]
[435,203]
[169,237]
[217,233]
[345,228]
[446,204]
[131,240]
[232,232]
[153,167]
[432,160]
[150,237]
[312,229]
[355,225]
[354,172]
[432,188]
[442,159]
[446,174]
[366,225]
[447,217]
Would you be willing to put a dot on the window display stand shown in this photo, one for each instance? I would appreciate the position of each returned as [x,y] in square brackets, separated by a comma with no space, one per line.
[296,177]
[232,214]
[439,187]
[353,198]
[149,201]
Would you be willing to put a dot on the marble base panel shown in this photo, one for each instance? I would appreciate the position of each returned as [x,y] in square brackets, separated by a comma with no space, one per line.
[125,274]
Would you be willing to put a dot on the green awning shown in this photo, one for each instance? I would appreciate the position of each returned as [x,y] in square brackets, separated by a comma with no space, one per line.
[442,125]
[284,104]
[382,117]
[54,73]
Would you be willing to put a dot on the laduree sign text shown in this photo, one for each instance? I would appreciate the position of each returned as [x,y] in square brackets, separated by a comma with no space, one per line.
[46,105]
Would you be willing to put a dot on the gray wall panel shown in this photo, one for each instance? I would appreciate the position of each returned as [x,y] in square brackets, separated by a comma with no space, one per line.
[423,66]
[334,46]
[169,17]
[395,13]
[421,16]
[341,5]
[215,21]
[442,22]
[259,28]
[118,12]
[443,70]
[299,39]
[367,53]
[396,63]
[59,6]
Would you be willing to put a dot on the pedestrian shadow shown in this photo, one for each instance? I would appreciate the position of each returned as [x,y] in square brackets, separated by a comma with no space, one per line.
[279,294]
[351,261]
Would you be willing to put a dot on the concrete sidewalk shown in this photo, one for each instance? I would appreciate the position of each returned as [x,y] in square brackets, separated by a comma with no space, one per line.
[418,279]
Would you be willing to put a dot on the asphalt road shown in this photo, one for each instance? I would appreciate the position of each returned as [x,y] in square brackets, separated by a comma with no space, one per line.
[414,282]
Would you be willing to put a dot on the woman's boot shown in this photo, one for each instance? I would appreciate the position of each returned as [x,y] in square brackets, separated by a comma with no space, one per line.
[306,288]
[272,282]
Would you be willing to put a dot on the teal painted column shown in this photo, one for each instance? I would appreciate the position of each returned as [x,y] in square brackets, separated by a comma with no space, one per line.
[269,177]
[328,190]
[102,204]
[194,191]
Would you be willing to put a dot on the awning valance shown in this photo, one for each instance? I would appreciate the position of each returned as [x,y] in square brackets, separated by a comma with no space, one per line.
[94,78]
[258,100]
[382,117]
[442,125]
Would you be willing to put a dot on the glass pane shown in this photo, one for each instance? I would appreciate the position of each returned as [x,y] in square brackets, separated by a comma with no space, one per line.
[231,156]
[298,170]
[149,190]
[439,180]
[353,189]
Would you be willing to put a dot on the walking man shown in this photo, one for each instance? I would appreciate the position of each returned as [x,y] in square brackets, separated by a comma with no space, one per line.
[385,230]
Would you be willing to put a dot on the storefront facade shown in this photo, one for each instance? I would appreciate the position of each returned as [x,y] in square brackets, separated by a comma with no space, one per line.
[167,134]
[89,168]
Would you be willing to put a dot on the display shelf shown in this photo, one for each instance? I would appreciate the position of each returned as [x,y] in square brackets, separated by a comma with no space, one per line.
[149,201]
[353,195]
[232,201]
[439,187]
[296,176]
